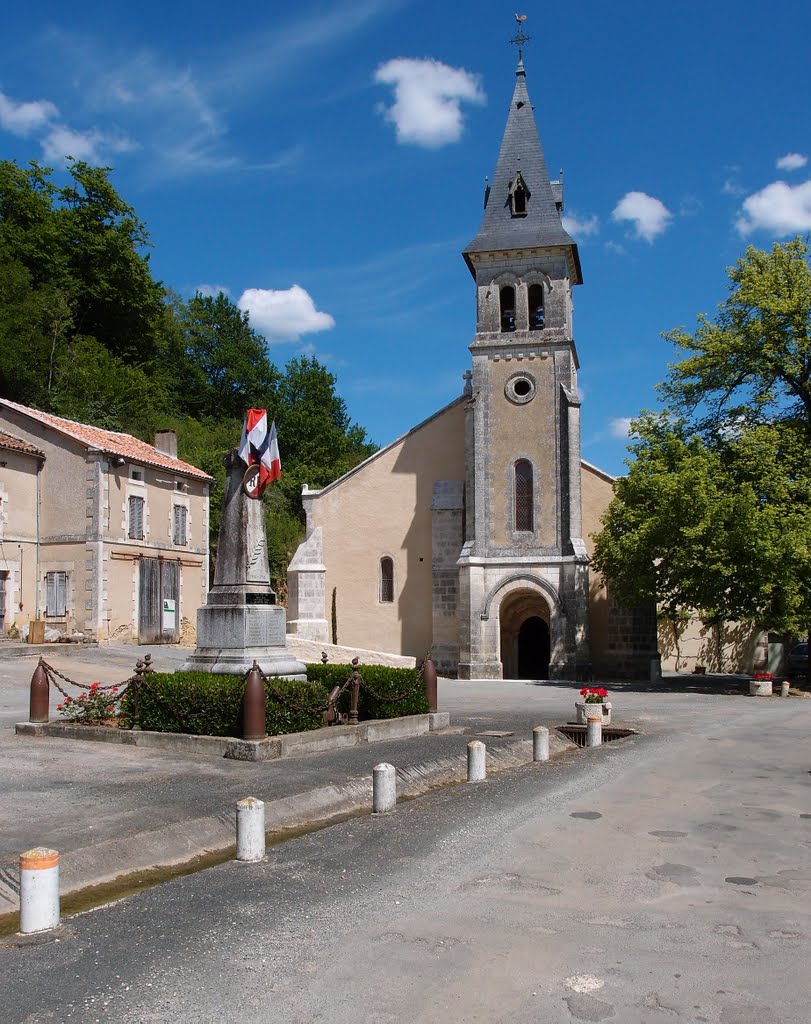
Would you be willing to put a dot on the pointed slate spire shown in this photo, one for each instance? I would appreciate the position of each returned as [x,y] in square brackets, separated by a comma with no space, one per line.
[521,153]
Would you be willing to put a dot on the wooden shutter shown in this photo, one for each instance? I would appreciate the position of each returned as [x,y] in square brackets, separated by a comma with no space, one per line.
[179,525]
[56,594]
[136,517]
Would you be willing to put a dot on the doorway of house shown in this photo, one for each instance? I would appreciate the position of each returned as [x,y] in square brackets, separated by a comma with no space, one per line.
[158,601]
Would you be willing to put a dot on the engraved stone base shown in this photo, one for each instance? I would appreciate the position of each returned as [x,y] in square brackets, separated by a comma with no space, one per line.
[241,625]
[274,661]
[231,637]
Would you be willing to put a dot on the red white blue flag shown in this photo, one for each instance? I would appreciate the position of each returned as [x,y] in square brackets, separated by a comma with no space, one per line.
[260,446]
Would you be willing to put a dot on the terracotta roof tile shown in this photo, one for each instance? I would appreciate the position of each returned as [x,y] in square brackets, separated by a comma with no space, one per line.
[16,444]
[109,441]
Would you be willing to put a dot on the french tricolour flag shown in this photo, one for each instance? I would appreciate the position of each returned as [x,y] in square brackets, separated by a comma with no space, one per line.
[260,446]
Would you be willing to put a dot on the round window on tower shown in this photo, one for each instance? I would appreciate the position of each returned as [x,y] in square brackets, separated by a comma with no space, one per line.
[520,388]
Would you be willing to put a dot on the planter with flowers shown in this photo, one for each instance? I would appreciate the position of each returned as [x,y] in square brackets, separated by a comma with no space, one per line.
[760,685]
[594,700]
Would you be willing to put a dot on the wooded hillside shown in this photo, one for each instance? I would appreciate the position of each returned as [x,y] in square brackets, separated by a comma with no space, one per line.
[86,332]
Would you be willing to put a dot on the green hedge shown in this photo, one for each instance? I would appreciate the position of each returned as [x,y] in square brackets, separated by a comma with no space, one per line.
[385,681]
[205,704]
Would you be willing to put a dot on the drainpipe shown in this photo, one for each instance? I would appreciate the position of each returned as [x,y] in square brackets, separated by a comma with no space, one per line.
[36,580]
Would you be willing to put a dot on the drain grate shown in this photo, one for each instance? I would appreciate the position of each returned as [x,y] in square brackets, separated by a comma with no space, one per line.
[577,733]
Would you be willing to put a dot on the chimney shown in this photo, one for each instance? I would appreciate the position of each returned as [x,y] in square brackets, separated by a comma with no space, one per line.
[166,442]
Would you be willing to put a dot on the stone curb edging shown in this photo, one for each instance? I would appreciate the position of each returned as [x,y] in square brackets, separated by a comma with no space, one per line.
[294,744]
[182,842]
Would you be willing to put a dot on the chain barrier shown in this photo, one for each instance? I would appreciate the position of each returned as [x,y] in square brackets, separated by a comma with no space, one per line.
[384,698]
[138,682]
[53,672]
[297,707]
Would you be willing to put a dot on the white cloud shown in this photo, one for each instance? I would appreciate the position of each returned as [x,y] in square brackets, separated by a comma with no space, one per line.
[791,162]
[427,99]
[732,188]
[648,215]
[211,291]
[284,315]
[581,227]
[780,208]
[23,118]
[61,141]
[620,426]
[615,248]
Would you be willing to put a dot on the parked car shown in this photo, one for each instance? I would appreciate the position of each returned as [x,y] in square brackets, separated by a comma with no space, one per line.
[798,659]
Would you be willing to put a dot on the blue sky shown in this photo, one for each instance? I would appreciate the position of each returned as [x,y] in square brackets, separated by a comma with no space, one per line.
[325,163]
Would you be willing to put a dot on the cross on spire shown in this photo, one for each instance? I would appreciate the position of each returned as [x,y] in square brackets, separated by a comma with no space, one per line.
[520,38]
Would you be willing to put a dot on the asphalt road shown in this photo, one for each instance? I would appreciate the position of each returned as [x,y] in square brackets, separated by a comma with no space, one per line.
[662,878]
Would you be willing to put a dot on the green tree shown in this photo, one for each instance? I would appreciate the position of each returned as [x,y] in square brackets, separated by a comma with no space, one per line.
[225,366]
[715,512]
[753,363]
[723,530]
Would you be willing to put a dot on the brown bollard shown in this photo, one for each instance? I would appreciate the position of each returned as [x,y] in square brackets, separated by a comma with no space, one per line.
[253,706]
[40,695]
[429,678]
[355,693]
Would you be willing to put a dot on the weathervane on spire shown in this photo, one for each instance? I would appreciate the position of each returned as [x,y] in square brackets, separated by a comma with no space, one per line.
[519,39]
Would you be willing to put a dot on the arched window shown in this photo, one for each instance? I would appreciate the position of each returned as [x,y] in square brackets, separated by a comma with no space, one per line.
[536,312]
[386,580]
[524,519]
[507,300]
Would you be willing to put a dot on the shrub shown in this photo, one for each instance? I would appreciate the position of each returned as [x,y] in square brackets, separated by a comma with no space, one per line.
[386,683]
[93,705]
[205,704]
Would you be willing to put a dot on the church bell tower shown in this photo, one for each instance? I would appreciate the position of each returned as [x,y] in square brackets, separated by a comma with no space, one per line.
[523,568]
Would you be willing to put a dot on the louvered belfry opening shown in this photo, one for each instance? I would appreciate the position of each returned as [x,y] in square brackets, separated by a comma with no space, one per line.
[507,301]
[524,519]
[536,311]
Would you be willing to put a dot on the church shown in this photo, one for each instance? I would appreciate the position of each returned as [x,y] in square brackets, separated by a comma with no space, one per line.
[469,535]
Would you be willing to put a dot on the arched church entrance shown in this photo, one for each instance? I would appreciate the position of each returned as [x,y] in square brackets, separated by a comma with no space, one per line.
[525,636]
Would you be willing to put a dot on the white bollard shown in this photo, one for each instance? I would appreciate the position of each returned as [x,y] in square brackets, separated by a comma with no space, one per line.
[250,829]
[384,788]
[784,688]
[476,761]
[39,890]
[594,732]
[540,743]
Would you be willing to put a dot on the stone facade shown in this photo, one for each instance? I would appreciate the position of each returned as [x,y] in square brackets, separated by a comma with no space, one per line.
[69,554]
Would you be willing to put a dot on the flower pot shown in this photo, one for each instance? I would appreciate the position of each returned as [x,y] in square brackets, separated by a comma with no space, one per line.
[760,688]
[583,709]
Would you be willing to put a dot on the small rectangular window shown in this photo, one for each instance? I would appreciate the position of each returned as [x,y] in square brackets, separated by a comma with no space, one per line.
[179,521]
[137,475]
[386,580]
[136,518]
[56,594]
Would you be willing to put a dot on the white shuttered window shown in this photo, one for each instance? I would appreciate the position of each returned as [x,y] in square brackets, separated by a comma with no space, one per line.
[179,520]
[136,518]
[56,594]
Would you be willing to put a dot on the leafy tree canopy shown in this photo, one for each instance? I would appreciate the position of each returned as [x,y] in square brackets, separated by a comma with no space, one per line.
[715,513]
[753,363]
[88,333]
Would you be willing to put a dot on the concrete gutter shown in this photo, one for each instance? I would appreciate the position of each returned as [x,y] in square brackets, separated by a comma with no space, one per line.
[184,842]
[269,749]
[12,649]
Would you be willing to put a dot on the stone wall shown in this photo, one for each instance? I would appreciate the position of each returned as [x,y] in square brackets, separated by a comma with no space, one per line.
[447,535]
